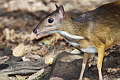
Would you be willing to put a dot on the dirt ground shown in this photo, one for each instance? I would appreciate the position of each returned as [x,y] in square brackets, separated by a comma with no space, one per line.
[18,18]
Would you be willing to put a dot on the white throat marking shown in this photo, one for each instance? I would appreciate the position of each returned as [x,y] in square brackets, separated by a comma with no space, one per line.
[67,34]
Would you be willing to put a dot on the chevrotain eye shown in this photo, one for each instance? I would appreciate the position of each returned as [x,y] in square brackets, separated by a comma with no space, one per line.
[50,20]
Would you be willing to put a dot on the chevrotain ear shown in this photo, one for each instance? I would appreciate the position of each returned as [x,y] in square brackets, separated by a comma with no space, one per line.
[61,11]
[56,6]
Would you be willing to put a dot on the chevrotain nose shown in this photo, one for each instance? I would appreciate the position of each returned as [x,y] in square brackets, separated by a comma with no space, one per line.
[35,31]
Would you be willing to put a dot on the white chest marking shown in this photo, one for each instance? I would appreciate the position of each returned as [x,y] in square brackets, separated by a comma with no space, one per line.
[68,35]
[89,50]
[72,43]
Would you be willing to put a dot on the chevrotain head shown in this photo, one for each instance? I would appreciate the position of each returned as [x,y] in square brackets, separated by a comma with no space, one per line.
[51,22]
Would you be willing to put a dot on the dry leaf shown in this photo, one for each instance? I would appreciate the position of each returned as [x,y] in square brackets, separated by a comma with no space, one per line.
[25,59]
[19,50]
[49,58]
[49,61]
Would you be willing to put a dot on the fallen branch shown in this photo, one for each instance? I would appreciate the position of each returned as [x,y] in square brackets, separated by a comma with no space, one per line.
[22,67]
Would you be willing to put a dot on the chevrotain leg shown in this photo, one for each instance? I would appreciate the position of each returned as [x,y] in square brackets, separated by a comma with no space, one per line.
[101,51]
[85,59]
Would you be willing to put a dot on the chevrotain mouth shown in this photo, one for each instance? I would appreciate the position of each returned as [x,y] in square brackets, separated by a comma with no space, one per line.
[38,32]
[43,33]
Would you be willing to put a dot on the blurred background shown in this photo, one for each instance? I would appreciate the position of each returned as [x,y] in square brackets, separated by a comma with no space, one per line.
[18,18]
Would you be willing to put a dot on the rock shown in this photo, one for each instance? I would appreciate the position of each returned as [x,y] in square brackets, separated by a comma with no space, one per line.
[66,70]
[67,57]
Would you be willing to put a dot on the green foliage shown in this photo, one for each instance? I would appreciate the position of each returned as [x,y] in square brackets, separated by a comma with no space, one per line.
[21,79]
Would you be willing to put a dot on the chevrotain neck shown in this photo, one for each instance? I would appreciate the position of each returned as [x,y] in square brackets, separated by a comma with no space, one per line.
[73,27]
